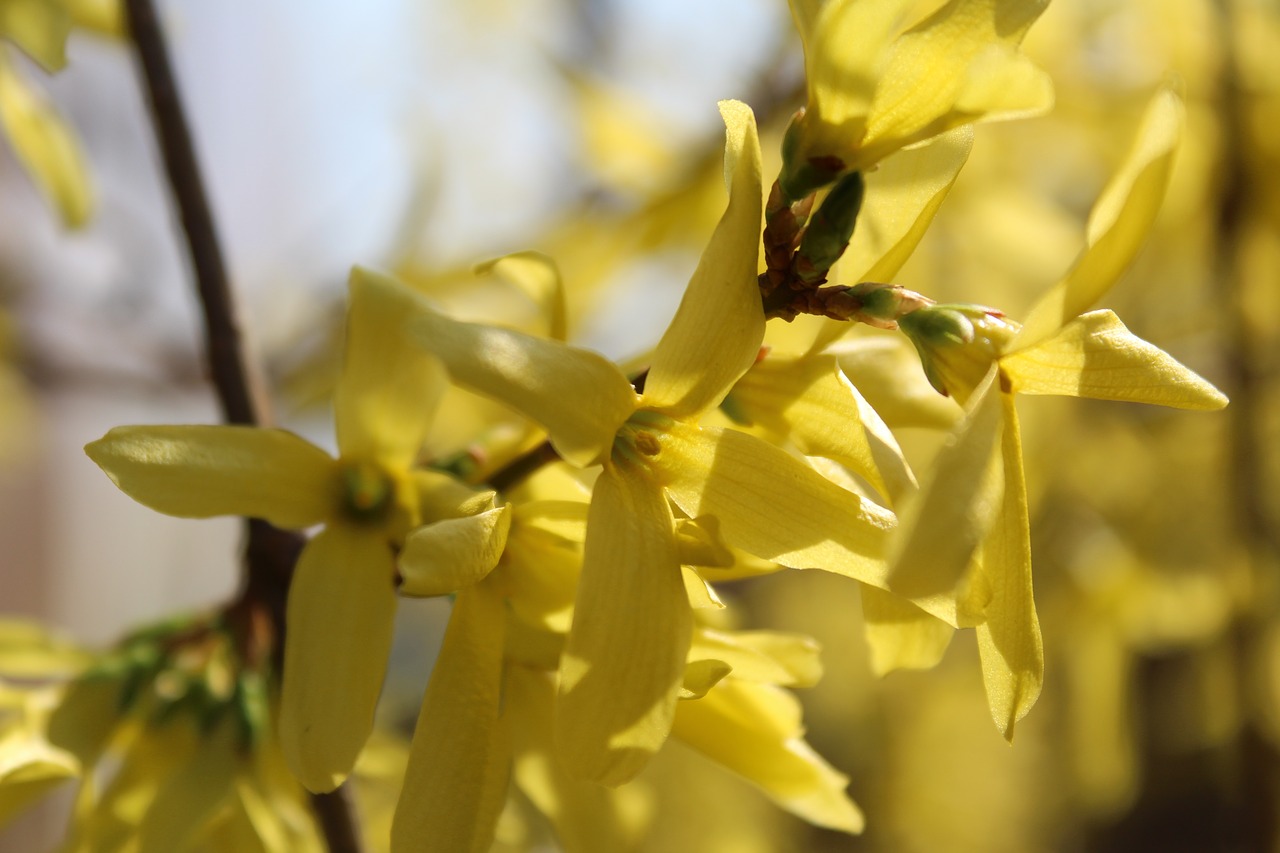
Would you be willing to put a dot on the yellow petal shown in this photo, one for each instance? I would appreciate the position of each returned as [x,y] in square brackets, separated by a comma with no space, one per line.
[958,66]
[29,769]
[701,545]
[453,554]
[624,659]
[1009,638]
[773,657]
[539,277]
[809,401]
[459,763]
[700,675]
[587,817]
[45,145]
[542,571]
[39,27]
[578,396]
[716,333]
[945,522]
[772,505]
[1118,224]
[342,603]
[702,596]
[900,634]
[389,388]
[754,730]
[1096,356]
[886,371]
[193,794]
[203,471]
[29,650]
[844,49]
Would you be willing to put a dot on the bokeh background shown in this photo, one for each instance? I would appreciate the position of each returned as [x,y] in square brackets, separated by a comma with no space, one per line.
[424,136]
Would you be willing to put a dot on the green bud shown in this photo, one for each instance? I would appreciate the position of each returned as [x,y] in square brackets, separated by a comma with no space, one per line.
[829,230]
[958,344]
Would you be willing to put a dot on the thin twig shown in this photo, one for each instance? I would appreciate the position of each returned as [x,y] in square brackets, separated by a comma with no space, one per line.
[232,377]
[270,554]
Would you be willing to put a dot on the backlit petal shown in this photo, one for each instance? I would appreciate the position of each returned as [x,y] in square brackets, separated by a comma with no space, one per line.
[810,401]
[958,66]
[578,396]
[624,660]
[193,794]
[1118,224]
[1096,356]
[342,604]
[1009,639]
[459,763]
[449,555]
[389,387]
[772,505]
[587,817]
[773,657]
[538,276]
[29,769]
[716,333]
[203,471]
[754,730]
[900,634]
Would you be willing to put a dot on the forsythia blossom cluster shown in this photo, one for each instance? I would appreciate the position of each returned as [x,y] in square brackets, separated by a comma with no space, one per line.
[584,630]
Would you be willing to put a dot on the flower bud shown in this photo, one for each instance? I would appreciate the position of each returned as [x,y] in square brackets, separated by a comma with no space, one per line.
[958,344]
[829,230]
[801,174]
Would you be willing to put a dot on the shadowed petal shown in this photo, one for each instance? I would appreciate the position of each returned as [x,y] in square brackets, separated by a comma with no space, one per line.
[342,604]
[624,661]
[772,505]
[1009,638]
[459,762]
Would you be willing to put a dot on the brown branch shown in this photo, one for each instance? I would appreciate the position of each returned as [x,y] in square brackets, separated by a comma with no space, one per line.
[238,393]
[270,554]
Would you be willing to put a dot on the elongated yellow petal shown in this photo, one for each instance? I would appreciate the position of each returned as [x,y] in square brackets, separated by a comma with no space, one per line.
[1118,224]
[900,634]
[624,660]
[1009,638]
[716,333]
[39,27]
[844,48]
[452,554]
[460,760]
[203,471]
[772,505]
[193,794]
[1096,356]
[45,144]
[958,66]
[389,387]
[772,657]
[754,730]
[948,519]
[587,817]
[886,371]
[579,397]
[539,277]
[342,603]
[809,401]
